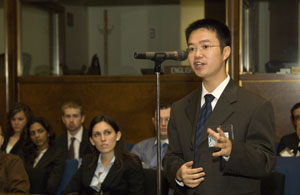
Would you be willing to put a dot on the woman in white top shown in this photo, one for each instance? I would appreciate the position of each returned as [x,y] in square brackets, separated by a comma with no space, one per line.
[44,163]
[110,169]
[16,127]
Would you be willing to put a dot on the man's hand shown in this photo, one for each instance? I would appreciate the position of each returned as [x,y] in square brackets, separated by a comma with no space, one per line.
[189,176]
[222,142]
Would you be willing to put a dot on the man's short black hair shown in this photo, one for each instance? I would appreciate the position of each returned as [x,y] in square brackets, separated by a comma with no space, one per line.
[162,106]
[222,31]
[296,106]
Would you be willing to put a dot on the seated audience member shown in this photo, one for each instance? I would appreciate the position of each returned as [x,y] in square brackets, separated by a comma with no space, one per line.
[110,169]
[13,177]
[17,125]
[289,145]
[74,142]
[44,163]
[147,149]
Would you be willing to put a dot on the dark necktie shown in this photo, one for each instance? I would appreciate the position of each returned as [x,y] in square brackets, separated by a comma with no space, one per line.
[71,153]
[163,150]
[201,124]
[153,163]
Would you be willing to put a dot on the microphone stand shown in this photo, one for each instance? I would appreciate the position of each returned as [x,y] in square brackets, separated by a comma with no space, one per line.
[158,59]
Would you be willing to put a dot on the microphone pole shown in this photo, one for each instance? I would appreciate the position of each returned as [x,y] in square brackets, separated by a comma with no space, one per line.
[157,68]
[159,58]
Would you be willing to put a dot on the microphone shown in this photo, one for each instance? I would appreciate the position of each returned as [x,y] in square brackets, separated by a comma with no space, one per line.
[161,55]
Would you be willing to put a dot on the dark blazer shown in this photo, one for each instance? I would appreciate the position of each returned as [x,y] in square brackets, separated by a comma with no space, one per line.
[46,175]
[252,154]
[127,181]
[17,149]
[13,177]
[62,142]
[291,141]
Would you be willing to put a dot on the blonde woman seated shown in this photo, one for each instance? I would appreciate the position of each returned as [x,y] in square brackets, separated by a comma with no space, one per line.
[13,177]
[111,169]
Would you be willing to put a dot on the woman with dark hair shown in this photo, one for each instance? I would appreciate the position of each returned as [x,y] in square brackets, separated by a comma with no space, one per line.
[110,169]
[44,163]
[16,126]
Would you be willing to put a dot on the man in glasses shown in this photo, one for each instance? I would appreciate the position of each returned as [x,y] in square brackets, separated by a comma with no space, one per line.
[201,160]
[147,149]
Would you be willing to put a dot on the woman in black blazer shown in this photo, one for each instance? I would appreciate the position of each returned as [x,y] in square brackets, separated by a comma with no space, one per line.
[110,169]
[17,125]
[43,162]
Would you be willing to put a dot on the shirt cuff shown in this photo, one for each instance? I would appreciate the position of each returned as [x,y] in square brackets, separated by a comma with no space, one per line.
[226,158]
[180,183]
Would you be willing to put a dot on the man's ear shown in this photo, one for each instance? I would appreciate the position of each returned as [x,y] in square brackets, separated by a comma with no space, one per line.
[82,118]
[226,52]
[153,121]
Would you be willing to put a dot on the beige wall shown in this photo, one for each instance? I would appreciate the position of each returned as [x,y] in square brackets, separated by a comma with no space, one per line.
[191,10]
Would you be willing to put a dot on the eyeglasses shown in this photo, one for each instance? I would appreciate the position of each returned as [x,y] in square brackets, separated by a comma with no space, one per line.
[163,119]
[203,48]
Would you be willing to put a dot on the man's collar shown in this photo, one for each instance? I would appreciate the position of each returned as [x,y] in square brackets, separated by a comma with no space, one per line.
[78,135]
[218,91]
[161,141]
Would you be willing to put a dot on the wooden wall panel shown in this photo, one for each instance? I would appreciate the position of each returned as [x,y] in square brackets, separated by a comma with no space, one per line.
[282,90]
[2,101]
[130,100]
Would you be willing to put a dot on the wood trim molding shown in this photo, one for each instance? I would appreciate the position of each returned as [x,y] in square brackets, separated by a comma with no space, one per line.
[233,22]
[12,50]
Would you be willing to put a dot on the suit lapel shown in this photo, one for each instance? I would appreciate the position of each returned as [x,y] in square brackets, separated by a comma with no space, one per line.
[65,141]
[223,109]
[45,159]
[113,172]
[192,113]
[83,144]
[89,172]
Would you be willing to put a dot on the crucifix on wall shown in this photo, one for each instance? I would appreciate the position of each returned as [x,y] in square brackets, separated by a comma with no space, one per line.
[105,31]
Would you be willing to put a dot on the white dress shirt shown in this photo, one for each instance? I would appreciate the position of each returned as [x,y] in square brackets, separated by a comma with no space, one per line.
[77,141]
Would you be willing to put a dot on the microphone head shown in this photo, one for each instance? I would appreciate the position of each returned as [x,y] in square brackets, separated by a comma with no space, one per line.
[182,55]
[139,55]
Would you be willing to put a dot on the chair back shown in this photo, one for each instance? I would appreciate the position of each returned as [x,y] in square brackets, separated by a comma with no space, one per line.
[289,166]
[273,184]
[69,170]
[150,184]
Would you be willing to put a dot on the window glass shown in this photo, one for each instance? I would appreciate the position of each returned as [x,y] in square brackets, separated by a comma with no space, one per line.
[35,40]
[78,37]
[270,36]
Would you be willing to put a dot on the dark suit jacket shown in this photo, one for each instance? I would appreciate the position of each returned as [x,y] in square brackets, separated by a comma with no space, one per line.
[46,175]
[252,154]
[291,141]
[13,177]
[62,142]
[129,180]
[17,149]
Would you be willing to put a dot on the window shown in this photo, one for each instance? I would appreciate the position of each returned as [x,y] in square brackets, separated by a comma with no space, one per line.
[270,36]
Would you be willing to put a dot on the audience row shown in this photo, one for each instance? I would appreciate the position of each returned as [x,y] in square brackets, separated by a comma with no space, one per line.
[35,160]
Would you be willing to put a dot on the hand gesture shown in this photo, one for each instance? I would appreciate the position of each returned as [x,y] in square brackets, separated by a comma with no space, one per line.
[189,176]
[222,142]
